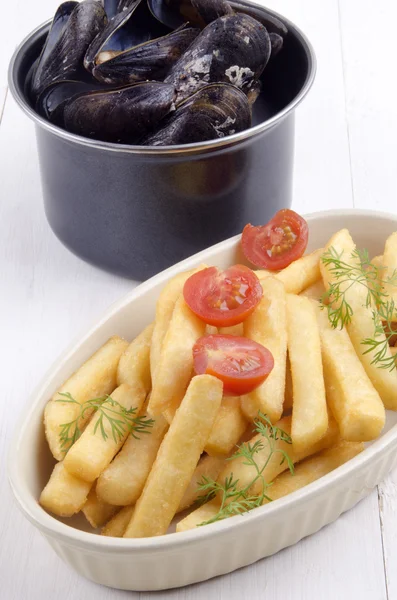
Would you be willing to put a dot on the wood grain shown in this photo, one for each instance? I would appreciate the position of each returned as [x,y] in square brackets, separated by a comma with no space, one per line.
[346,140]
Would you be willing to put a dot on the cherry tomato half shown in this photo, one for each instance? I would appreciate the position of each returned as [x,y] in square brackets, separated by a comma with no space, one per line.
[241,364]
[276,245]
[223,298]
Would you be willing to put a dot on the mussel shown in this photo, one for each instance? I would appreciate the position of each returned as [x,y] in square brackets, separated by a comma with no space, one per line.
[52,100]
[122,115]
[132,25]
[213,112]
[233,49]
[74,27]
[151,60]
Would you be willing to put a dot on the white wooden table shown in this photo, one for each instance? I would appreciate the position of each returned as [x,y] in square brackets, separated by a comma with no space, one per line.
[346,155]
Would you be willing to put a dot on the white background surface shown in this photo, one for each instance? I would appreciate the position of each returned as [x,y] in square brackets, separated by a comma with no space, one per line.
[346,155]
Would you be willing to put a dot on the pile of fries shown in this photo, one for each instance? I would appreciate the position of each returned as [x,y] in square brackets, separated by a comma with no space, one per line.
[137,435]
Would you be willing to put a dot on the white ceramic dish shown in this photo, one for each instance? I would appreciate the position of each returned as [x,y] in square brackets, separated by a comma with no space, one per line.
[180,559]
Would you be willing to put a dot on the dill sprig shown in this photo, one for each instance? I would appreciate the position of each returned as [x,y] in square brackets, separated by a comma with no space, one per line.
[114,420]
[345,274]
[361,271]
[235,500]
[379,344]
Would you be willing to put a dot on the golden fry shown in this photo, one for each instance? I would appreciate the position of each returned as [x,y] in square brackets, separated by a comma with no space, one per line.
[300,274]
[390,266]
[353,400]
[315,291]
[177,458]
[97,512]
[267,325]
[233,330]
[210,467]
[134,365]
[95,378]
[122,482]
[228,428]
[64,495]
[246,473]
[362,325]
[92,453]
[118,524]
[164,309]
[176,362]
[313,468]
[309,410]
[202,514]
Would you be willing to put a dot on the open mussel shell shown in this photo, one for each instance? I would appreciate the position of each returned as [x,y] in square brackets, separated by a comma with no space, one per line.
[213,112]
[277,43]
[123,115]
[51,102]
[151,60]
[74,27]
[233,49]
[132,25]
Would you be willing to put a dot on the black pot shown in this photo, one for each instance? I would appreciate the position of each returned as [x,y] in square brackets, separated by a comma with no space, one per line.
[136,210]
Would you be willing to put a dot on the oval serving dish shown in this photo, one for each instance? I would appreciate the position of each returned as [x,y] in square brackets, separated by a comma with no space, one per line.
[179,559]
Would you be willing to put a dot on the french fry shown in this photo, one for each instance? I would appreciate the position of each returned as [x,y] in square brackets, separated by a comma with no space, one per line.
[95,378]
[314,291]
[362,325]
[377,261]
[64,495]
[313,468]
[118,524]
[92,453]
[390,266]
[134,365]
[97,512]
[202,514]
[267,325]
[299,275]
[122,482]
[211,330]
[304,473]
[246,473]
[208,466]
[228,428]
[176,362]
[353,400]
[232,330]
[289,394]
[177,458]
[164,309]
[309,410]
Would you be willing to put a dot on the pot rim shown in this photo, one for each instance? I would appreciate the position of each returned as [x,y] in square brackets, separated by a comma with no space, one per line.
[180,149]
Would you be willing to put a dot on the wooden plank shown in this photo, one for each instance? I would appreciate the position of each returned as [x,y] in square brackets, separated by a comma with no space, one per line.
[369,66]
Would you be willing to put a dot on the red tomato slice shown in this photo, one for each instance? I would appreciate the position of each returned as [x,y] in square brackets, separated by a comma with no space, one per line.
[240,363]
[223,298]
[276,245]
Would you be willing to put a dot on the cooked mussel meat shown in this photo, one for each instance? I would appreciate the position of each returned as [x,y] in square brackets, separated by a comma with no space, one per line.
[233,49]
[122,115]
[213,112]
[74,27]
[132,25]
[151,60]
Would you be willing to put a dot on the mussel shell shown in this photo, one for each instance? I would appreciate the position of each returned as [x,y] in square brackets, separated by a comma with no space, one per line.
[74,27]
[151,60]
[51,102]
[123,115]
[215,111]
[277,43]
[233,49]
[210,10]
[131,26]
[272,23]
[174,13]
